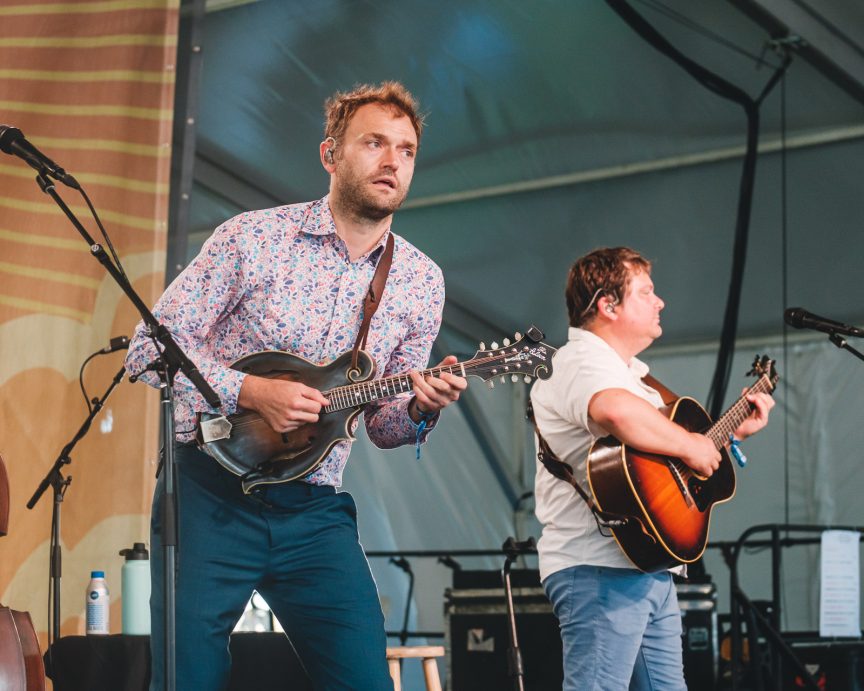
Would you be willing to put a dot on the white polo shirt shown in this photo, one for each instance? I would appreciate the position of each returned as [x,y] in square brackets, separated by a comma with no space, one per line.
[583,367]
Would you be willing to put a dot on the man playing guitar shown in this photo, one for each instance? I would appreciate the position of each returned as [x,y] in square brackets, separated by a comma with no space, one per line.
[621,627]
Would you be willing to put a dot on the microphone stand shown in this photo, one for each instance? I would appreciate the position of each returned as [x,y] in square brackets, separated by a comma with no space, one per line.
[59,484]
[405,565]
[841,342]
[174,360]
[513,550]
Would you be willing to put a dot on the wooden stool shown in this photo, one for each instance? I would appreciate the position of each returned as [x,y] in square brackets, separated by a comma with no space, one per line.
[430,667]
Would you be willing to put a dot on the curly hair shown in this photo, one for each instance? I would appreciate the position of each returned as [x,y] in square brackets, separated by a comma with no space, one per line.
[605,271]
[341,106]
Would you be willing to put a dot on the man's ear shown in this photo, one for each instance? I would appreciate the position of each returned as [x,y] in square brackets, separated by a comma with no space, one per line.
[326,150]
[606,307]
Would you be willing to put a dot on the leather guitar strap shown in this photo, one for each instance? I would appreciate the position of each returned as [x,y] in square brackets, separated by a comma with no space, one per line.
[667,395]
[560,469]
[373,299]
[563,471]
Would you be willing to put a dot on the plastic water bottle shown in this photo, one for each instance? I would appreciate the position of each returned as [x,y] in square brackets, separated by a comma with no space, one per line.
[135,584]
[98,602]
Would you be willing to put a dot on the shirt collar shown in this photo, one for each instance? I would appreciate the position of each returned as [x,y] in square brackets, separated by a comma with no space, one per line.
[319,221]
[576,334]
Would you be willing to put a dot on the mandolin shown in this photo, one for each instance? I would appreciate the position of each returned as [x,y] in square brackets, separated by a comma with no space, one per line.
[247,446]
[666,504]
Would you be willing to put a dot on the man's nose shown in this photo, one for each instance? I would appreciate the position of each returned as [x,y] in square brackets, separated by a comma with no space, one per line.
[390,158]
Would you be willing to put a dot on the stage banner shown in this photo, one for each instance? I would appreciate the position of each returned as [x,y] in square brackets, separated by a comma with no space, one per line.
[91,84]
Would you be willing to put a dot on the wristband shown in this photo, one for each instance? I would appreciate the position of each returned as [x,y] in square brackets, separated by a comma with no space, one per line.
[735,448]
[425,417]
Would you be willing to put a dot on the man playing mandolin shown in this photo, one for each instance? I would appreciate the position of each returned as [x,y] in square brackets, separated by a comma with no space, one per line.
[620,626]
[294,278]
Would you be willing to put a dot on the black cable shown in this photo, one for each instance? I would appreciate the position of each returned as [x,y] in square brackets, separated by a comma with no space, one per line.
[51,602]
[81,380]
[784,243]
[104,233]
[785,278]
[729,91]
[694,26]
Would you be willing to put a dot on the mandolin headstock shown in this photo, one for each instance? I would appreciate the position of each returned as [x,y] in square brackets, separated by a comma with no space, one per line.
[526,358]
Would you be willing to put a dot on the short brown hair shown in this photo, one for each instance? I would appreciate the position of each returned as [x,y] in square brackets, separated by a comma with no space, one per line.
[341,106]
[605,271]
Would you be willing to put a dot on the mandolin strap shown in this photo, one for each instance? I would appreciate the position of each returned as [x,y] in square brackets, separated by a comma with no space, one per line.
[373,299]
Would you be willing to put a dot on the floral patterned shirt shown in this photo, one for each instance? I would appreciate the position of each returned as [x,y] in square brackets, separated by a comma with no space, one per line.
[282,279]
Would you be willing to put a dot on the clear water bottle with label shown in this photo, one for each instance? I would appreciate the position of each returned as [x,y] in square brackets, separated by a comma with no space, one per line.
[98,604]
[135,582]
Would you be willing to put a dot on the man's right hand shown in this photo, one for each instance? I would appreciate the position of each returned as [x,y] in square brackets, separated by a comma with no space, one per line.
[701,454]
[284,405]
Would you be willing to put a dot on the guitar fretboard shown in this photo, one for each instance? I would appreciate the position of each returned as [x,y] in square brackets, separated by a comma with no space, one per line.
[720,431]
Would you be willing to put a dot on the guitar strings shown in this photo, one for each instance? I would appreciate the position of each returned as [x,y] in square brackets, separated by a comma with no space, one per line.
[719,432]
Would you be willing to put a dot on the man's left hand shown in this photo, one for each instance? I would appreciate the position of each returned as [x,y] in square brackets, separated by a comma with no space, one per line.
[758,418]
[431,394]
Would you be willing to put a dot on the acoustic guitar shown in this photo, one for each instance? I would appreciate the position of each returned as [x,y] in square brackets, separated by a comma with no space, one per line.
[247,446]
[665,503]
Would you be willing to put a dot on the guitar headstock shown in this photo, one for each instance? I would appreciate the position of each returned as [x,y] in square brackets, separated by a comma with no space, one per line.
[763,366]
[527,357]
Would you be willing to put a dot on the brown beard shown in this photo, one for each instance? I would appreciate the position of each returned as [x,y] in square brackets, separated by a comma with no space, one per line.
[356,200]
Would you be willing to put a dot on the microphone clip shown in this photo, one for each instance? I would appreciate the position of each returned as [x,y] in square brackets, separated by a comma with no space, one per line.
[115,344]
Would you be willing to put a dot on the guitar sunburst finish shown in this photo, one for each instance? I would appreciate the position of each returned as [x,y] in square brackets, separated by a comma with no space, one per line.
[667,503]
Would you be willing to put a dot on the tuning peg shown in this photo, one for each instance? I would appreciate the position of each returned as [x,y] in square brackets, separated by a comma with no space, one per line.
[482,345]
[517,336]
[491,384]
[527,379]
[506,341]
[494,345]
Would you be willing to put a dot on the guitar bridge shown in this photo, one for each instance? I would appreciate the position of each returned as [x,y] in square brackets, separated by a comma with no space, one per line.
[679,480]
[215,429]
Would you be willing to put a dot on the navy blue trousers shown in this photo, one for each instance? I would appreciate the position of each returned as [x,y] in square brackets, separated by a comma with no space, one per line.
[297,545]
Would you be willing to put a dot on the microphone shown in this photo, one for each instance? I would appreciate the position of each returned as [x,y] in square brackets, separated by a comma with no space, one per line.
[117,343]
[450,562]
[402,563]
[512,547]
[13,142]
[800,318]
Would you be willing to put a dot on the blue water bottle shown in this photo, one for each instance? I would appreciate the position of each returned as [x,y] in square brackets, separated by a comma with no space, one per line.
[135,590]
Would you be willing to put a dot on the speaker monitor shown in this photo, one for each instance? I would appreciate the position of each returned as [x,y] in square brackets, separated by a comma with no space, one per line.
[478,641]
